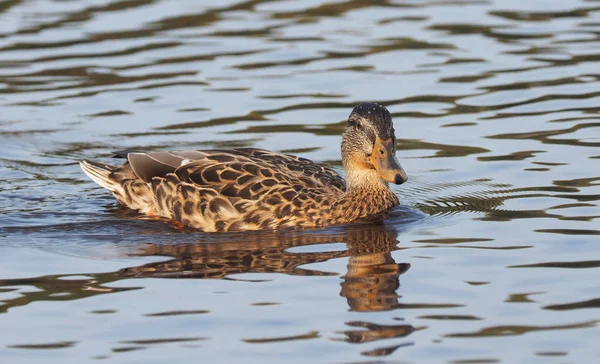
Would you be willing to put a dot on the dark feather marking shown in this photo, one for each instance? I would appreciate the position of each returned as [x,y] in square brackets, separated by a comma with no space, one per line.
[171,178]
[253,218]
[256,187]
[308,182]
[122,172]
[245,193]
[230,190]
[265,224]
[236,166]
[293,167]
[217,204]
[236,226]
[202,207]
[265,172]
[211,174]
[286,210]
[269,182]
[250,168]
[277,212]
[177,210]
[167,187]
[273,200]
[221,157]
[228,175]
[282,211]
[188,191]
[208,193]
[159,193]
[123,153]
[196,178]
[243,179]
[241,206]
[188,208]
[288,195]
[127,196]
[220,225]
[156,181]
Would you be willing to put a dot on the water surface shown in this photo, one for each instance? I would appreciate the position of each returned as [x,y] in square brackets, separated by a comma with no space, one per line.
[492,257]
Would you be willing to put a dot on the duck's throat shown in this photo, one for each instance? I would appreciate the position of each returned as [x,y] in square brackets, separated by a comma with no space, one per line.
[367,198]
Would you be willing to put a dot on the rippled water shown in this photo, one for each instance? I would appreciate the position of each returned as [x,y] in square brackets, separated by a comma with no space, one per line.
[493,256]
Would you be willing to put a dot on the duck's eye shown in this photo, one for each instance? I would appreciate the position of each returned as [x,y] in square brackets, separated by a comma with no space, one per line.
[358,125]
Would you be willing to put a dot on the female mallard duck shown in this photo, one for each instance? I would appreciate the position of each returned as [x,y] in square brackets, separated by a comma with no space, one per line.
[254,189]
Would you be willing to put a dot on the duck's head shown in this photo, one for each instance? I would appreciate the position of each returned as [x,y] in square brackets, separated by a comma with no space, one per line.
[369,146]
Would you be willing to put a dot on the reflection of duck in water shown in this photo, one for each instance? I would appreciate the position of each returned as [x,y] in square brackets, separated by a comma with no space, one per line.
[372,278]
[370,283]
[226,255]
[254,189]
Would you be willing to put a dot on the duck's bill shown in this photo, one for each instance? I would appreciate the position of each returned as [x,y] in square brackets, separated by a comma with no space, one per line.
[385,162]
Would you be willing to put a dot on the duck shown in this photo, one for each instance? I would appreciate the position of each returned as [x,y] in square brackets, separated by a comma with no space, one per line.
[246,189]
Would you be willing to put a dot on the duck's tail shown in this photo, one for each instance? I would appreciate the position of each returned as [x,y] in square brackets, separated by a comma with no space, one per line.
[100,173]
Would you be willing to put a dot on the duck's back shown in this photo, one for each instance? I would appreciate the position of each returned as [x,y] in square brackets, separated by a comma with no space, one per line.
[224,190]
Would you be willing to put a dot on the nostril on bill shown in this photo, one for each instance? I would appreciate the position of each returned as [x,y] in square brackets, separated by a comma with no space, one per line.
[399,180]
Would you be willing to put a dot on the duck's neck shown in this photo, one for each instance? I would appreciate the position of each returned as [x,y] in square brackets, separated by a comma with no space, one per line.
[358,179]
[367,196]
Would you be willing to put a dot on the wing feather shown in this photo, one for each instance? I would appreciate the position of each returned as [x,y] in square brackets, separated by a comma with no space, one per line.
[249,170]
[146,166]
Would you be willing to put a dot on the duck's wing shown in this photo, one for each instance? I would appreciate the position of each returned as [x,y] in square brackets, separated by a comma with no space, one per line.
[229,190]
[298,167]
[249,190]
[222,167]
[249,173]
[158,164]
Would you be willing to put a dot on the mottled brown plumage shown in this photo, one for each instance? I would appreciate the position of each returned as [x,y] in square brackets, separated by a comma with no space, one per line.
[255,189]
